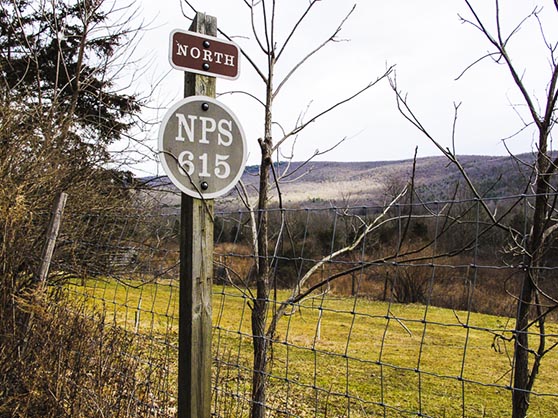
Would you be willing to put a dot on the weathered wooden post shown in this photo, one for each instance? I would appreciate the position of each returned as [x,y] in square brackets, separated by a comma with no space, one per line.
[52,236]
[196,274]
[203,151]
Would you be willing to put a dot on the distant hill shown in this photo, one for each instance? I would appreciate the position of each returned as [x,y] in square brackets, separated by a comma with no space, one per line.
[319,183]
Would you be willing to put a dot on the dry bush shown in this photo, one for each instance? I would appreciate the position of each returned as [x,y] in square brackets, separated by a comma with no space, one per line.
[56,362]
[233,264]
[486,290]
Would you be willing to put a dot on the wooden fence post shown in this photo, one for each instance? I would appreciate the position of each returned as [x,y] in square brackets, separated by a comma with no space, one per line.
[196,274]
[52,236]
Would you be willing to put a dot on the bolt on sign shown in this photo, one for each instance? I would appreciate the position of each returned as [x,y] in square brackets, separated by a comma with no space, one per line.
[202,147]
[203,54]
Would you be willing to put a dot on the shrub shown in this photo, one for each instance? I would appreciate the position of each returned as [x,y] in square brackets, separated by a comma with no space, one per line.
[57,362]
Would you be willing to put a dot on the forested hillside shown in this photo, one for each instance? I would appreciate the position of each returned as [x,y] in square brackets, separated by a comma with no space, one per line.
[319,183]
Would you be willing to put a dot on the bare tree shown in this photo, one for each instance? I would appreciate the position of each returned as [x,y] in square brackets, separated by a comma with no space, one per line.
[534,304]
[62,107]
[263,17]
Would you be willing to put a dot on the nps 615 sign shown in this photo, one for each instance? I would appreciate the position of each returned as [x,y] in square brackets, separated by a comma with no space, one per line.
[202,147]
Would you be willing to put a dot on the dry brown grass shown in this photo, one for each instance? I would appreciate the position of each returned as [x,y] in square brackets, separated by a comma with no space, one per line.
[58,362]
[490,291]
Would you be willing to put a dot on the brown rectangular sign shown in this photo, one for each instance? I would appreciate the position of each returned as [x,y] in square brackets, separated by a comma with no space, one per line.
[203,54]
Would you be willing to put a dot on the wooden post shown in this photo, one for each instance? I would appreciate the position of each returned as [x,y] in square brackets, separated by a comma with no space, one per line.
[52,236]
[196,272]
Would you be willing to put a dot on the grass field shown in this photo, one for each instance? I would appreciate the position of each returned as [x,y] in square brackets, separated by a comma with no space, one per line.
[337,357]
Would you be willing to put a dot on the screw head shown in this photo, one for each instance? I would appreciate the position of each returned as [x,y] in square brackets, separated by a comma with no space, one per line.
[205,106]
[204,185]
[205,66]
[206,44]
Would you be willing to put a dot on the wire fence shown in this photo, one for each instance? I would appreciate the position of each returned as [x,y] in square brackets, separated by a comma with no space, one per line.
[391,310]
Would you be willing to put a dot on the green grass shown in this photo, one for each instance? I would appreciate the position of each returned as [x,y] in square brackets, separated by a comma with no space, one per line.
[345,357]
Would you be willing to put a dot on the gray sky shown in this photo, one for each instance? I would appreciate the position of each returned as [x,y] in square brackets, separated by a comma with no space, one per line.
[426,42]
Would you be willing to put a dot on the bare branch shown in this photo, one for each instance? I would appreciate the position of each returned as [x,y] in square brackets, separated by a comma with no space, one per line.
[296,26]
[501,48]
[269,33]
[253,96]
[406,111]
[247,57]
[264,48]
[331,108]
[191,7]
[487,55]
[310,54]
[317,153]
[371,227]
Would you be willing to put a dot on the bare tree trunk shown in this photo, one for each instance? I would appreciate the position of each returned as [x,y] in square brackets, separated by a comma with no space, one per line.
[520,396]
[264,34]
[260,303]
[259,311]
[523,380]
[260,355]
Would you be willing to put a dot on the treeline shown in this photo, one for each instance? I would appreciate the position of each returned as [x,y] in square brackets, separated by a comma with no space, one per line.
[426,252]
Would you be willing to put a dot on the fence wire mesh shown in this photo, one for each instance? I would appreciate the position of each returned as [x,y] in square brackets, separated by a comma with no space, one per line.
[390,310]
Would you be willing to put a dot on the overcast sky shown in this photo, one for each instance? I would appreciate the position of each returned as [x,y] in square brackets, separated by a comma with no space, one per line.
[426,42]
